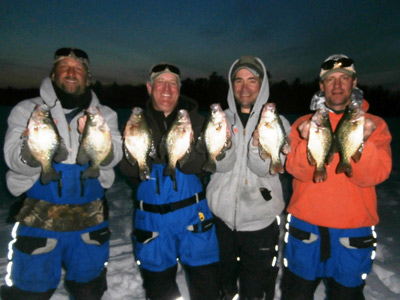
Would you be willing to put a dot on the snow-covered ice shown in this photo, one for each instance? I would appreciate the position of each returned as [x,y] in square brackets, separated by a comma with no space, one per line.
[124,281]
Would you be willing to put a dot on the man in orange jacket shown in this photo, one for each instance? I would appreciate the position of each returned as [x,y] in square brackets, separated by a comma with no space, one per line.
[331,221]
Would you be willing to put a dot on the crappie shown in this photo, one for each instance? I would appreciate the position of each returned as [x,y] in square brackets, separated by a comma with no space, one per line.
[96,145]
[214,139]
[138,142]
[176,144]
[272,138]
[319,144]
[42,144]
[349,137]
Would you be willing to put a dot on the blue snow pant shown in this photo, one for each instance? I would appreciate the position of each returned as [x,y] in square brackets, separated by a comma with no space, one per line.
[173,225]
[38,255]
[341,257]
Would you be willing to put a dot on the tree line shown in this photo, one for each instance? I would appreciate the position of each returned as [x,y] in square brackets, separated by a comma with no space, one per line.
[290,98]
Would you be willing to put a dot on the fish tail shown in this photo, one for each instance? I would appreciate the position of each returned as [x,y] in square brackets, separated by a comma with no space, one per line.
[169,170]
[91,172]
[210,166]
[320,174]
[344,167]
[48,175]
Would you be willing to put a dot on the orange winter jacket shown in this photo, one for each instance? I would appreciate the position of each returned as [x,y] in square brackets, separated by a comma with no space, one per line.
[339,202]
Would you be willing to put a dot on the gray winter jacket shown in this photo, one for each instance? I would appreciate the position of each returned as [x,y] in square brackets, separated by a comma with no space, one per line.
[21,177]
[234,190]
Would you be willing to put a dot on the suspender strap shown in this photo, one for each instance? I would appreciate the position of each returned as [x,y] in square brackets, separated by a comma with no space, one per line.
[172,206]
[325,243]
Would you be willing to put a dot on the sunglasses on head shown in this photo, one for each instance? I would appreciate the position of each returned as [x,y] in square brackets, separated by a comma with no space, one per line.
[339,62]
[163,67]
[67,51]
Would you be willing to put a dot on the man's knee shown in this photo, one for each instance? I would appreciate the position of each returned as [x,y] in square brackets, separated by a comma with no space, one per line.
[92,290]
[14,293]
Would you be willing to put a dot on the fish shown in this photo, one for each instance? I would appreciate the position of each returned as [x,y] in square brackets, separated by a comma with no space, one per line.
[96,146]
[43,144]
[272,138]
[177,144]
[349,137]
[138,142]
[214,140]
[320,144]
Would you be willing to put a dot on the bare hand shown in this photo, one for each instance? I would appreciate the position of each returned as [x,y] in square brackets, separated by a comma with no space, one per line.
[81,123]
[369,127]
[304,129]
[256,138]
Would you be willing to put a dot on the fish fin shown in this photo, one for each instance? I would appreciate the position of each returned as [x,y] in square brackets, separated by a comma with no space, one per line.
[61,153]
[91,172]
[210,166]
[357,156]
[153,151]
[200,145]
[320,174]
[109,158]
[311,159]
[170,171]
[27,156]
[343,167]
[49,174]
[163,150]
[221,155]
[129,157]
[144,172]
[82,157]
[329,157]
[263,154]
[185,158]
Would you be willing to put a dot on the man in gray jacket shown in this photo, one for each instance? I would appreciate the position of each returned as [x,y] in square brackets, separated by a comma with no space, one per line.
[245,198]
[64,222]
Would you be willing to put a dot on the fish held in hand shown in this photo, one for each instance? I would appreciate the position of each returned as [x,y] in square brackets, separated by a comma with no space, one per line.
[320,143]
[138,142]
[96,146]
[349,137]
[177,143]
[42,144]
[272,138]
[215,139]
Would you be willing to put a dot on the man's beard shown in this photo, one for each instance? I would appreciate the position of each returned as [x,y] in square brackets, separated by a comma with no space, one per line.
[70,101]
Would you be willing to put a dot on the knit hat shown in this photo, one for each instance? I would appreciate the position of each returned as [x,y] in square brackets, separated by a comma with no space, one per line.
[337,63]
[250,63]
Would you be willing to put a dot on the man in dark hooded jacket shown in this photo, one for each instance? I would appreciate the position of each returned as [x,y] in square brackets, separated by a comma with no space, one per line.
[173,222]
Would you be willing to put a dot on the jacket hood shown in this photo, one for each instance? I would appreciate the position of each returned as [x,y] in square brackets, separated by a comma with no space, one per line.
[262,96]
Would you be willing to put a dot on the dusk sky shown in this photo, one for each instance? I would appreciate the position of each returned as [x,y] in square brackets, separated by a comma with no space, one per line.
[125,38]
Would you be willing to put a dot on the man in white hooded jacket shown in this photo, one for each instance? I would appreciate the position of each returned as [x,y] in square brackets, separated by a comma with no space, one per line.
[62,223]
[244,197]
